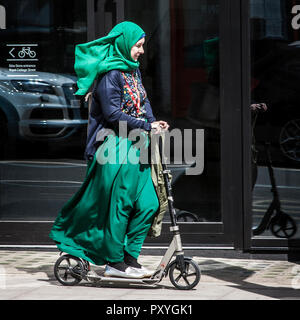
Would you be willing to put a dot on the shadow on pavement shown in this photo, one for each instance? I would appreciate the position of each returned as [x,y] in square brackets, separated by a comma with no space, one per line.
[237,276]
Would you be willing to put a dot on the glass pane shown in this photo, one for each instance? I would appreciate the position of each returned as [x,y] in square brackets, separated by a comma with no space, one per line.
[180,70]
[43,142]
[275,53]
[43,126]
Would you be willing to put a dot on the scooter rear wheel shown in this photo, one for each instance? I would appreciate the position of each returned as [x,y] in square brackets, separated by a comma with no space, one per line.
[68,270]
[187,279]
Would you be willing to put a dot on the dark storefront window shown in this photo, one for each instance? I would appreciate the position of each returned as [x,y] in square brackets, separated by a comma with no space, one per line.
[189,70]
[275,53]
[181,74]
[43,126]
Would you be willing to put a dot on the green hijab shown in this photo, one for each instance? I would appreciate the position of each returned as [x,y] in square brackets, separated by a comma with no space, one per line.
[105,54]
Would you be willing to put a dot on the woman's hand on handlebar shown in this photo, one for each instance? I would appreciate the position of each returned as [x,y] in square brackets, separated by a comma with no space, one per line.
[159,126]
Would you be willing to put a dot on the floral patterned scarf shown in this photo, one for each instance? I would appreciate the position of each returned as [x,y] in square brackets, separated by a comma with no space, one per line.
[134,95]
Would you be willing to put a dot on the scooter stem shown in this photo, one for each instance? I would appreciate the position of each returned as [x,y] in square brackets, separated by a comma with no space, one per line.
[175,247]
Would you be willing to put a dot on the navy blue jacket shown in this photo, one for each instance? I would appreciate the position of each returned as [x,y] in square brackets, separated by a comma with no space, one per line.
[105,111]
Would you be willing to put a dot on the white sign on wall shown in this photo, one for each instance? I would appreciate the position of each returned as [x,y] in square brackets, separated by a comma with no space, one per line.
[22,57]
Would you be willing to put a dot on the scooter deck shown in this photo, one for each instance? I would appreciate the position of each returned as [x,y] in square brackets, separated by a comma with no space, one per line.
[123,280]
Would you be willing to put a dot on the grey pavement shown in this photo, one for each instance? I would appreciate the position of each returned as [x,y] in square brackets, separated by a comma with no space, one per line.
[28,275]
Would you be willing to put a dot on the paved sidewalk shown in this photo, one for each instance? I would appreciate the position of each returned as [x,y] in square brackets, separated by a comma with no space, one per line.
[27,275]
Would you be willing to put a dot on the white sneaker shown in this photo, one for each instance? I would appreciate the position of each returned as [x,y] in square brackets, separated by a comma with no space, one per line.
[144,272]
[128,273]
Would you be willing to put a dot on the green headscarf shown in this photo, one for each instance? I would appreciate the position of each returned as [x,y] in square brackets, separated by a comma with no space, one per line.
[105,54]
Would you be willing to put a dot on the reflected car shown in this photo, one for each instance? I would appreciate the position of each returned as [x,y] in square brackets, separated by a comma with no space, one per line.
[40,107]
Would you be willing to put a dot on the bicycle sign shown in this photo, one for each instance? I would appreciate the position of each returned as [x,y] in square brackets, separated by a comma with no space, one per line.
[26,51]
[23,52]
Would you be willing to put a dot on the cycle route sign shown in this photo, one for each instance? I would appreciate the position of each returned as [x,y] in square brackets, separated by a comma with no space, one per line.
[22,57]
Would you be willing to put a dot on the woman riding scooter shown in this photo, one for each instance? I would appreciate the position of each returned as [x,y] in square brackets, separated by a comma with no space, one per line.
[107,220]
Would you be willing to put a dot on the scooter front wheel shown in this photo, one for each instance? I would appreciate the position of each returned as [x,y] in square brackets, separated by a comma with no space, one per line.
[283,226]
[185,279]
[68,270]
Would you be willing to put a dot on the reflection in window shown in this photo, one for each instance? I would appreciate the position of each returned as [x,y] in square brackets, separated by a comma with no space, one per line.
[37,79]
[275,53]
[42,125]
[33,86]
[181,75]
[269,13]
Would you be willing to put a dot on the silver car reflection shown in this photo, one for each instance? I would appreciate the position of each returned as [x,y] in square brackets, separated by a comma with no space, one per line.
[40,106]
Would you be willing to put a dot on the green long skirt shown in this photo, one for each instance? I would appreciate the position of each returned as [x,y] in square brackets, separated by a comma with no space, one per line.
[114,208]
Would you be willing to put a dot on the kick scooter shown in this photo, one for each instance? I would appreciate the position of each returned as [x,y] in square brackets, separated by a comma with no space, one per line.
[184,273]
[280,223]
